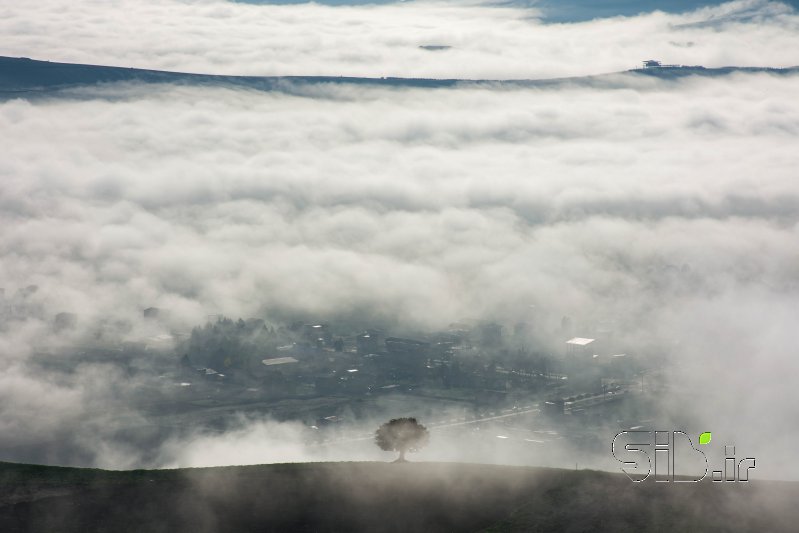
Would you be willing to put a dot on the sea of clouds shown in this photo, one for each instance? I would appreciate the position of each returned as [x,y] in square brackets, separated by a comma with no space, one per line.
[668,207]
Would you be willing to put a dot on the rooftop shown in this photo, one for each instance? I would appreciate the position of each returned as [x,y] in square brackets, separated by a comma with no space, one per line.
[279,361]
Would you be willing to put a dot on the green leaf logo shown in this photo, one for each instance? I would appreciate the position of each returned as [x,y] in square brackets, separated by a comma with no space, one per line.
[704,438]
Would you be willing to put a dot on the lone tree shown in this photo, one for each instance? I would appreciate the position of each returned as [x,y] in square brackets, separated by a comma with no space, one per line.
[402,435]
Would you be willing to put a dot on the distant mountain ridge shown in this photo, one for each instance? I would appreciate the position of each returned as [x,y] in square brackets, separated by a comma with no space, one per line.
[24,75]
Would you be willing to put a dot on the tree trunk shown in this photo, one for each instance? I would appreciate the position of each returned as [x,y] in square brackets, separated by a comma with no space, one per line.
[401,458]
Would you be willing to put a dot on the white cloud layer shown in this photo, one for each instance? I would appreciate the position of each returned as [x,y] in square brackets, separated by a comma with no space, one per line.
[217,37]
[200,200]
[670,207]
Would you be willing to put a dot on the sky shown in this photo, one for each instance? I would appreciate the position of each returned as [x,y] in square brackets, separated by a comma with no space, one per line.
[667,208]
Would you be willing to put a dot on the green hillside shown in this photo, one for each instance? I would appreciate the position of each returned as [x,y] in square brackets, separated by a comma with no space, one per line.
[328,497]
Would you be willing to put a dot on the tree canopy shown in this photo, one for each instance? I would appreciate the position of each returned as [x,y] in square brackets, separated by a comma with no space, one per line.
[402,435]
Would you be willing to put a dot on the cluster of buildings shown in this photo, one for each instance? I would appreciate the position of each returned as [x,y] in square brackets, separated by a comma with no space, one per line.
[656,64]
[475,359]
[484,361]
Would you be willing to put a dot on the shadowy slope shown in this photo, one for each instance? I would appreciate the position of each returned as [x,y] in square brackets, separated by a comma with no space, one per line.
[377,497]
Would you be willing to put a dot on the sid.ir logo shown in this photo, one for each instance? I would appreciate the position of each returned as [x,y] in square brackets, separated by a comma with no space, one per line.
[632,449]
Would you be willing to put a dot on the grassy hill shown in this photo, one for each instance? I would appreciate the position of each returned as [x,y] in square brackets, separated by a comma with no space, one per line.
[374,497]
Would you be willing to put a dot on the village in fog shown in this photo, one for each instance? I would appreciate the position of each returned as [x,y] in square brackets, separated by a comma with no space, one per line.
[474,380]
